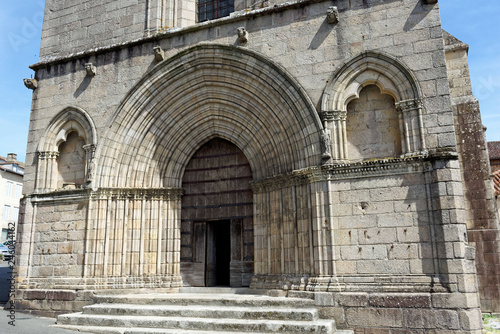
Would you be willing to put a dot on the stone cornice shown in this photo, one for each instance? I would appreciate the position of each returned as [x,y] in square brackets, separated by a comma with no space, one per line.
[456,47]
[409,105]
[333,115]
[47,154]
[419,162]
[138,193]
[61,196]
[105,193]
[172,32]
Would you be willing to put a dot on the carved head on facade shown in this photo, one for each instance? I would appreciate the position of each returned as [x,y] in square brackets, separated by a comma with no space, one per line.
[90,69]
[332,15]
[242,35]
[159,53]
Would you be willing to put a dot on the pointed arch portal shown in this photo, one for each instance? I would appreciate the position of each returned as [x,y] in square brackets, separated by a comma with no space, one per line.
[159,149]
[204,92]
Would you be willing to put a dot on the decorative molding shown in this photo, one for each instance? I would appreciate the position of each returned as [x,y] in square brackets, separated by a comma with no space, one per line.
[70,118]
[418,162]
[45,155]
[332,15]
[409,105]
[109,193]
[306,286]
[333,115]
[90,149]
[242,35]
[91,69]
[31,83]
[138,193]
[164,283]
[370,168]
[390,74]
[61,196]
[159,53]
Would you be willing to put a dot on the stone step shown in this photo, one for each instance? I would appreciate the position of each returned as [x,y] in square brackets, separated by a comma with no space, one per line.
[203,299]
[121,330]
[199,311]
[222,290]
[197,324]
[204,311]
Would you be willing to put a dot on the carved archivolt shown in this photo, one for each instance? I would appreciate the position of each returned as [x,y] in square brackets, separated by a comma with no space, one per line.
[71,119]
[392,78]
[204,92]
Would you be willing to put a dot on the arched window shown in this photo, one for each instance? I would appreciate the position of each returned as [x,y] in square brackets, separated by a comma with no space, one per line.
[66,152]
[371,108]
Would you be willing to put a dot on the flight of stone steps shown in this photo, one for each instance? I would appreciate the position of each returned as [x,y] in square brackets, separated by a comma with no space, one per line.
[218,310]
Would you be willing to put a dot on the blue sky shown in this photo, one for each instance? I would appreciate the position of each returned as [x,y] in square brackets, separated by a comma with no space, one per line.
[475,23]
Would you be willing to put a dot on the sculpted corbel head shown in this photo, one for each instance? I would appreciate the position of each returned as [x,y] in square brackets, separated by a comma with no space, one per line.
[332,14]
[242,35]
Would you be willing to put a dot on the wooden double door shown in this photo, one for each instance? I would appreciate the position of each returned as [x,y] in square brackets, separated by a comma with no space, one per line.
[217,217]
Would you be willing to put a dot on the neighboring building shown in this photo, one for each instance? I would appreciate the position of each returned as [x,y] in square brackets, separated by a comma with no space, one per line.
[336,153]
[494,152]
[11,190]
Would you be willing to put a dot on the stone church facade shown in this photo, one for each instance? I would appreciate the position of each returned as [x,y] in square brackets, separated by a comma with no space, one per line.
[307,148]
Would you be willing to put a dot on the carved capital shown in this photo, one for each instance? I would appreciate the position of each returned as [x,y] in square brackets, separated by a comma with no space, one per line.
[45,155]
[242,35]
[333,115]
[91,69]
[332,15]
[408,105]
[31,83]
[90,149]
[159,53]
[170,194]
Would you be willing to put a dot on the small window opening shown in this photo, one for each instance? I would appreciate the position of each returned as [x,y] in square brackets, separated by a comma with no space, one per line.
[214,9]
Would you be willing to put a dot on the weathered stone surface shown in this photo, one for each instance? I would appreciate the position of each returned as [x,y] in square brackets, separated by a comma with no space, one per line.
[34,295]
[400,301]
[214,312]
[60,295]
[344,183]
[360,317]
[353,299]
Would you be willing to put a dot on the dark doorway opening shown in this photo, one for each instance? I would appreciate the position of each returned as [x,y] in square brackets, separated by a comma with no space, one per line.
[218,253]
[217,241]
